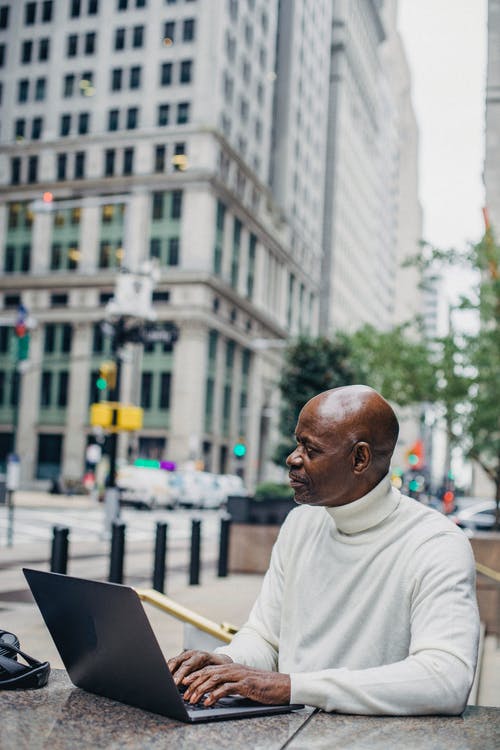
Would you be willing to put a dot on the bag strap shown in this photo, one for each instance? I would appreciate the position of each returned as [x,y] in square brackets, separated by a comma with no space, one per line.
[33,674]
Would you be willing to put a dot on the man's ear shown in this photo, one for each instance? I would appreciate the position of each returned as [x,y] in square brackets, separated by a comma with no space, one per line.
[362,457]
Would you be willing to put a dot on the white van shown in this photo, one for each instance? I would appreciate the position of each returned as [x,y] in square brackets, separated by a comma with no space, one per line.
[146,487]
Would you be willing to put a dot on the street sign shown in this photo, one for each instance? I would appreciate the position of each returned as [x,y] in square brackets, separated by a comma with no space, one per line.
[116,417]
[165,335]
[13,472]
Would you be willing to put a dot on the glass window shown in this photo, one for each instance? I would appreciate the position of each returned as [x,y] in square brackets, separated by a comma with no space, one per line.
[135,77]
[182,113]
[23,90]
[45,388]
[79,165]
[62,162]
[72,45]
[40,89]
[29,14]
[33,169]
[43,49]
[119,39]
[155,247]
[186,71]
[2,55]
[4,17]
[164,400]
[69,85]
[46,11]
[163,113]
[90,43]
[132,118]
[122,4]
[83,123]
[169,31]
[26,51]
[173,251]
[166,74]
[128,161]
[93,7]
[116,79]
[160,154]
[113,119]
[188,30]
[138,36]
[62,391]
[50,338]
[20,128]
[36,128]
[75,8]
[65,125]
[146,389]
[176,205]
[15,170]
[157,212]
[109,162]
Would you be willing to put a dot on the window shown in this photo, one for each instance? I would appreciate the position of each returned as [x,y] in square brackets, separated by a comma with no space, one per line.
[116,79]
[163,113]
[45,388]
[109,162]
[128,161]
[138,36]
[119,39]
[46,11]
[93,7]
[69,85]
[186,69]
[164,400]
[135,77]
[188,28]
[40,89]
[155,247]
[121,4]
[132,118]
[146,389]
[79,165]
[160,154]
[169,31]
[15,170]
[4,17]
[140,3]
[23,90]
[182,113]
[75,8]
[90,43]
[29,14]
[86,82]
[62,161]
[113,119]
[65,125]
[157,212]
[173,251]
[43,49]
[20,128]
[26,51]
[176,205]
[33,169]
[83,123]
[36,128]
[72,45]
[166,74]
[2,55]
[62,391]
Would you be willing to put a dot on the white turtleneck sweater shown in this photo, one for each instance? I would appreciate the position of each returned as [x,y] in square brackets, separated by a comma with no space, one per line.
[370,607]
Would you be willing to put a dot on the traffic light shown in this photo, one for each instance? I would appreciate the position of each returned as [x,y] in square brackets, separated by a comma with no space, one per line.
[107,376]
[415,455]
[239,450]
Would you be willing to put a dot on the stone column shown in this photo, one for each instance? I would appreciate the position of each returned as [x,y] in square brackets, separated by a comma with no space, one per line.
[41,235]
[90,227]
[77,412]
[136,230]
[28,408]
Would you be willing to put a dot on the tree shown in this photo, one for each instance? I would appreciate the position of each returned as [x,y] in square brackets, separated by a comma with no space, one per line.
[311,365]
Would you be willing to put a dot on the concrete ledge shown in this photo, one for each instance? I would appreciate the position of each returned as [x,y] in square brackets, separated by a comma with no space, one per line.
[250,547]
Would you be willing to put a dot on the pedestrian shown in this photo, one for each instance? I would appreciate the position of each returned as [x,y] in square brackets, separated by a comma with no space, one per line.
[368,606]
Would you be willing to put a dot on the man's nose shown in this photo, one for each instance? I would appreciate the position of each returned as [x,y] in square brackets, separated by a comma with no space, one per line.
[294,458]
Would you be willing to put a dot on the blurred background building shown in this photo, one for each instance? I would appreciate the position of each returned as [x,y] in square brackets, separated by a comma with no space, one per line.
[262,154]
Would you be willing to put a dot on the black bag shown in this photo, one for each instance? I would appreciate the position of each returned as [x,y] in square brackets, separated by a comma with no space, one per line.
[14,674]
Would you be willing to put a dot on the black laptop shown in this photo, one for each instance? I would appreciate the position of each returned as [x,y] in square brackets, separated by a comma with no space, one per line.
[107,645]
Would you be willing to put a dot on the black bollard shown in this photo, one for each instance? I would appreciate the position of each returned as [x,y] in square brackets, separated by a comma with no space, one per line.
[194,565]
[117,552]
[225,526]
[160,557]
[59,555]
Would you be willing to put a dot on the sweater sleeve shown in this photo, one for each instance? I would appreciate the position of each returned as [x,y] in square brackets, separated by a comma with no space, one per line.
[256,644]
[437,675]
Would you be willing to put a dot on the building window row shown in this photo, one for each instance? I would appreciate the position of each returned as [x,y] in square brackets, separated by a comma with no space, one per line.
[17,258]
[81,83]
[34,90]
[28,53]
[83,44]
[131,37]
[78,7]
[184,74]
[63,166]
[128,119]
[120,79]
[128,4]
[184,31]
[164,114]
[126,156]
[166,250]
[23,169]
[40,11]
[178,160]
[23,130]
[166,205]
[79,122]
[54,389]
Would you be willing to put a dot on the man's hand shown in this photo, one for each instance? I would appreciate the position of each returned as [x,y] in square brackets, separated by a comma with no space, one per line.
[192,661]
[228,679]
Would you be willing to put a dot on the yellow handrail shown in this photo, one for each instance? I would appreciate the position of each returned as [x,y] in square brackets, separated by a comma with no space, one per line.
[223,632]
[488,572]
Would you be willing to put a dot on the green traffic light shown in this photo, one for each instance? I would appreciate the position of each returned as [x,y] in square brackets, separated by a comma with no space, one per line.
[413,459]
[414,485]
[239,450]
[101,384]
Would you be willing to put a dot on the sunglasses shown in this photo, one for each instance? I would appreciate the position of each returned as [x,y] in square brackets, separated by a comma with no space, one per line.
[15,675]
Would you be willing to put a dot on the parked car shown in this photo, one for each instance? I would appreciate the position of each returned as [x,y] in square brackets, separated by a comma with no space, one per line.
[203,489]
[146,487]
[477,517]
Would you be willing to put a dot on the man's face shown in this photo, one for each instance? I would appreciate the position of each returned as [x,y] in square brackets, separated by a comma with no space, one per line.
[320,467]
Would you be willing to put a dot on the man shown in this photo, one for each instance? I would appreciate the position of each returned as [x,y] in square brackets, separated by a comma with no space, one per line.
[369,604]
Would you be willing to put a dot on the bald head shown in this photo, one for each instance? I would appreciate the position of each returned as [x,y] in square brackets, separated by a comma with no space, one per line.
[345,440]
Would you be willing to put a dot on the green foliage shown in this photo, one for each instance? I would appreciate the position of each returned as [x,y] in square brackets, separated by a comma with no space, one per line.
[273,491]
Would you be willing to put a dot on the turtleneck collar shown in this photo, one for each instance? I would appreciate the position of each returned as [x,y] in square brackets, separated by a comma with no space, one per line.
[367,511]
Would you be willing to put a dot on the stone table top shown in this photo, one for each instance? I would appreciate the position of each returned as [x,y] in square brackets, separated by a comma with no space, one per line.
[62,717]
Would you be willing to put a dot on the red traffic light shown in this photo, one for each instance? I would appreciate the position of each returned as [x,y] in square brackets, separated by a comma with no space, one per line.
[448,496]
[48,197]
[20,329]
